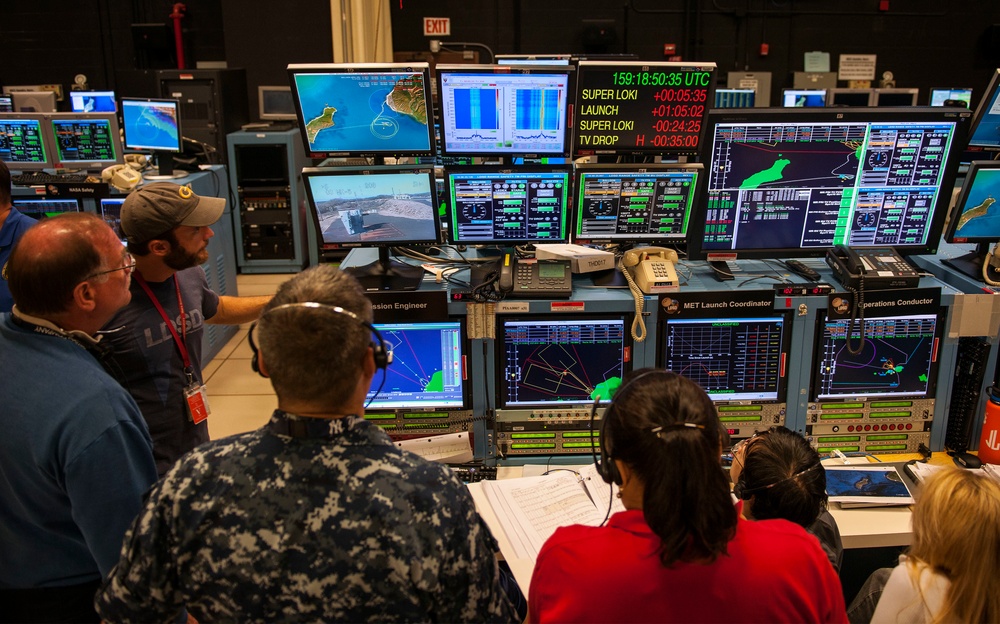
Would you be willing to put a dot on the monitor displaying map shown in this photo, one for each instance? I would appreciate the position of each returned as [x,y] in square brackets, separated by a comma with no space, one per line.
[379,109]
[976,217]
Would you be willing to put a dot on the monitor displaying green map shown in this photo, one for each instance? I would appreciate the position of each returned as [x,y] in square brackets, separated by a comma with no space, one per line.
[373,109]
[976,217]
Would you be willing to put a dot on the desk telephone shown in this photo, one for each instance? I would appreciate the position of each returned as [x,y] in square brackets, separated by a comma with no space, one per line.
[652,269]
[533,278]
[871,268]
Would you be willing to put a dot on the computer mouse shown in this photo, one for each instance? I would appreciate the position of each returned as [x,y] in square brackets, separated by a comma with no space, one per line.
[967,460]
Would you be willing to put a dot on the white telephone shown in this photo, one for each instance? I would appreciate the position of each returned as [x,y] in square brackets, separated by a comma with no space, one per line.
[652,268]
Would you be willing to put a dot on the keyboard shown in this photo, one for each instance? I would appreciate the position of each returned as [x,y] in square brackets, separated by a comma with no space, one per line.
[34,179]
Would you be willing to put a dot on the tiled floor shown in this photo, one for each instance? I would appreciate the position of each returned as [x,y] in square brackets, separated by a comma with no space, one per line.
[241,400]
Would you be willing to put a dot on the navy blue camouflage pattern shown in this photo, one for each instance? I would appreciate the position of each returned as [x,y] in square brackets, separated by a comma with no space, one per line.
[335,524]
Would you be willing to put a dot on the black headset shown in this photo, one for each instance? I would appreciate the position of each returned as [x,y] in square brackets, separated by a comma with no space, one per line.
[380,353]
[742,492]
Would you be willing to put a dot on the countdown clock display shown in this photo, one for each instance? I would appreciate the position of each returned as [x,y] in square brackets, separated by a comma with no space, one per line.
[641,107]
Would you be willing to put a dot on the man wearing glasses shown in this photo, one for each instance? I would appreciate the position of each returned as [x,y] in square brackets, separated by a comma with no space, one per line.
[75,454]
[157,338]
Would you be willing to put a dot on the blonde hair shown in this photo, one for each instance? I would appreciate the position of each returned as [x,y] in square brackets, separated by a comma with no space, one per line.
[956,531]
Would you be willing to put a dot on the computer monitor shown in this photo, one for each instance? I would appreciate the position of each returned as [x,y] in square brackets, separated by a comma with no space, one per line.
[276,103]
[92,101]
[532,59]
[803,97]
[154,125]
[976,217]
[760,82]
[984,131]
[897,358]
[731,358]
[640,203]
[39,209]
[556,361]
[794,182]
[111,212]
[34,101]
[427,370]
[6,104]
[379,207]
[512,110]
[25,142]
[86,140]
[508,206]
[849,97]
[940,96]
[896,97]
[641,108]
[734,98]
[364,109]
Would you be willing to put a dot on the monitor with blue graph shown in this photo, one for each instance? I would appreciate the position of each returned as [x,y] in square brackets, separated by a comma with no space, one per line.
[506,110]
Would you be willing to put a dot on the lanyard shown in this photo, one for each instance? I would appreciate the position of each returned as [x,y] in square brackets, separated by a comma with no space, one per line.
[181,346]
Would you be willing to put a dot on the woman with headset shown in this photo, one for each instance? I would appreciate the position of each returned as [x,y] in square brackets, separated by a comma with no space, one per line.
[679,552]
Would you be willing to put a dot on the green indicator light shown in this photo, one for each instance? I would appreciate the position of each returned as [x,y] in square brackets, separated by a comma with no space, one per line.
[888,447]
[386,427]
[380,416]
[841,416]
[740,408]
[425,425]
[580,434]
[746,418]
[579,444]
[888,436]
[526,436]
[635,220]
[513,209]
[833,439]
[842,405]
[875,404]
[512,225]
[428,415]
[889,414]
[842,449]
[530,445]
[545,209]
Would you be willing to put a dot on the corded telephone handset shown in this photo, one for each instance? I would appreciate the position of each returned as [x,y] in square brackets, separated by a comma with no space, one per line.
[648,270]
[533,278]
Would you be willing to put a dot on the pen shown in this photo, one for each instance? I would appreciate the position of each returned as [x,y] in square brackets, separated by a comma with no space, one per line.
[841,456]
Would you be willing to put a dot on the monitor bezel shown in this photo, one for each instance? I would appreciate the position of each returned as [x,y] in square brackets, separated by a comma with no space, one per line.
[74,95]
[850,114]
[116,141]
[266,116]
[912,91]
[568,70]
[48,142]
[322,172]
[823,93]
[974,168]
[817,343]
[831,96]
[176,104]
[704,66]
[118,201]
[991,93]
[786,350]
[629,168]
[566,169]
[533,59]
[583,318]
[465,346]
[295,69]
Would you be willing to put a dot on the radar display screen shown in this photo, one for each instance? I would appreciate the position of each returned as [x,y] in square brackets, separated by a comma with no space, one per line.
[426,372]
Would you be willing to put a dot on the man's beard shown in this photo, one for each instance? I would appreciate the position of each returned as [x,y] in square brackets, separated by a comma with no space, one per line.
[179,258]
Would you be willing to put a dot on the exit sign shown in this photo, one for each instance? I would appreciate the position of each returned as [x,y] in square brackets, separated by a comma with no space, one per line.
[437,26]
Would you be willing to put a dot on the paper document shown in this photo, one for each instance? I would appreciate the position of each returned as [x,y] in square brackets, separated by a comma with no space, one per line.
[530,509]
[453,448]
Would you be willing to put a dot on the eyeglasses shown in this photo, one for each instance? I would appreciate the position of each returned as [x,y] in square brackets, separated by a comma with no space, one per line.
[128,264]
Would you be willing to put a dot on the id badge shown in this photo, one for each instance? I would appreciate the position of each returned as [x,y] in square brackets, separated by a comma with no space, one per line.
[197,401]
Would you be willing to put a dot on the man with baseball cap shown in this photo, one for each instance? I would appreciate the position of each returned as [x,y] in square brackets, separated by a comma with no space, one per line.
[157,337]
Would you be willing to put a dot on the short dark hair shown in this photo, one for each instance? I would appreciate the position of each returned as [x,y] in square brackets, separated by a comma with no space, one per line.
[142,248]
[41,281]
[4,184]
[774,458]
[686,499]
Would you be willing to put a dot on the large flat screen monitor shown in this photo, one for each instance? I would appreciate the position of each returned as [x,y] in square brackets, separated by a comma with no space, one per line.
[92,101]
[23,142]
[34,101]
[794,182]
[39,209]
[635,203]
[364,109]
[86,140]
[940,96]
[985,129]
[643,108]
[803,97]
[427,370]
[976,217]
[518,110]
[731,358]
[896,97]
[153,125]
[489,206]
[897,358]
[111,212]
[560,361]
[734,98]
[379,207]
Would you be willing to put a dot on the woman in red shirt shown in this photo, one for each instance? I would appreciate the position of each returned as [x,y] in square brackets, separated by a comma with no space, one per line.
[680,552]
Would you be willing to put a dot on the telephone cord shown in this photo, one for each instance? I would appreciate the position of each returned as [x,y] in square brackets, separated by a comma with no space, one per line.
[857,315]
[638,324]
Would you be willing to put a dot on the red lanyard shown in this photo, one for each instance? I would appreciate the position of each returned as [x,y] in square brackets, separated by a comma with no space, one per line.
[181,346]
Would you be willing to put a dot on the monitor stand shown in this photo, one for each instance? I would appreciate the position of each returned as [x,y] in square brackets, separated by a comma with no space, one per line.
[387,274]
[721,270]
[971,264]
[165,168]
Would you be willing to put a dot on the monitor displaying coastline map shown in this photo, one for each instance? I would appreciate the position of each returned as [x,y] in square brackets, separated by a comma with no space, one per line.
[380,109]
[976,217]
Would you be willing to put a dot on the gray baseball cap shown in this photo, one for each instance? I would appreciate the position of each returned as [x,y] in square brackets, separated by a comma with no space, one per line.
[155,208]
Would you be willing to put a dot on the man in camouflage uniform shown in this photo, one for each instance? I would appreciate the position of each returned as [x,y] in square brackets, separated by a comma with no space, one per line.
[317,515]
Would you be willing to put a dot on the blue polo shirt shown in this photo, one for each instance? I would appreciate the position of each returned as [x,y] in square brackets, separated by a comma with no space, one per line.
[13,227]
